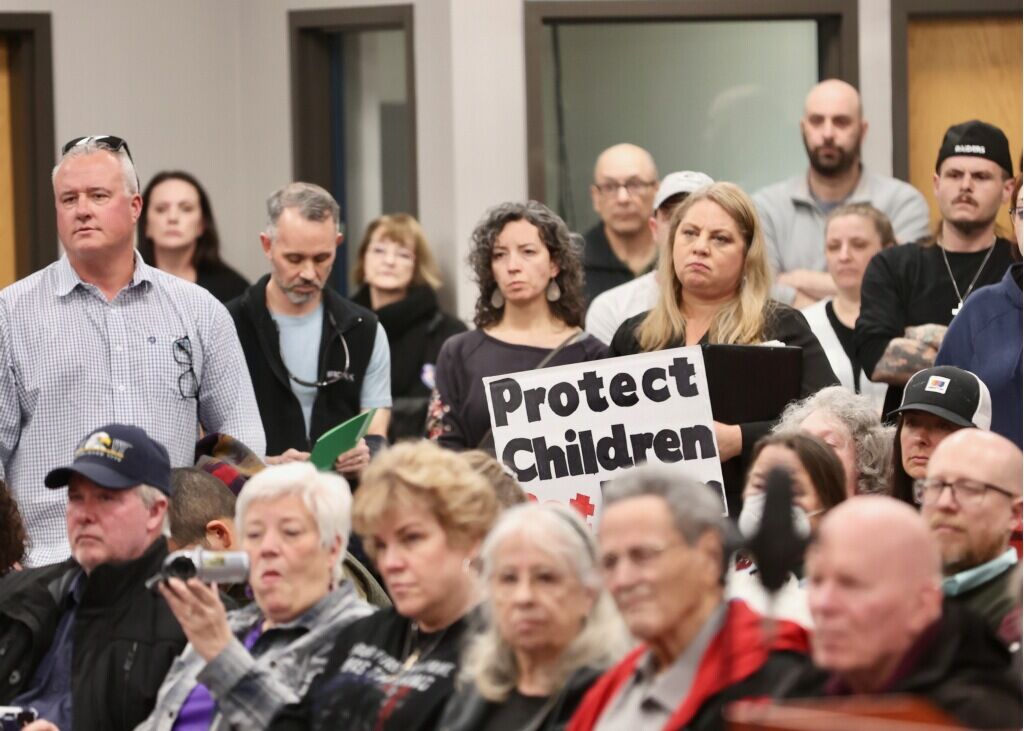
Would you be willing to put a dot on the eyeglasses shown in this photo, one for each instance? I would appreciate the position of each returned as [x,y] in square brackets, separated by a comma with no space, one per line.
[1017,212]
[331,377]
[642,557]
[188,383]
[633,186]
[114,144]
[965,492]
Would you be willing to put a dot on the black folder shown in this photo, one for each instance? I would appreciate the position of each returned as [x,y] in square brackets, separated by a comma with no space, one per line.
[749,383]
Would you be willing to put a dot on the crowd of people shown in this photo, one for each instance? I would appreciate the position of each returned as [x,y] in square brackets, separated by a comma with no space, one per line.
[157,408]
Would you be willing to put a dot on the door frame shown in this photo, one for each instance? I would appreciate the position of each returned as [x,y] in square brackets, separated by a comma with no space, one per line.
[902,12]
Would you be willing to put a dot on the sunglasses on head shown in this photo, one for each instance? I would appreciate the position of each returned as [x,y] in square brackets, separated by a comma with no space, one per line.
[114,144]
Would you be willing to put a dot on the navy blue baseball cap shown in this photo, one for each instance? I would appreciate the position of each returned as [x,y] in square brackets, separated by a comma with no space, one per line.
[117,457]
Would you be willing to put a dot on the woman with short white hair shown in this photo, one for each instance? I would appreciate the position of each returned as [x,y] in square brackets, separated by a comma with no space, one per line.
[241,667]
[550,627]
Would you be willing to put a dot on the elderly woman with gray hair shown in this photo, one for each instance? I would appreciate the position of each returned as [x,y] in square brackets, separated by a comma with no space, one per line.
[849,424]
[241,667]
[550,628]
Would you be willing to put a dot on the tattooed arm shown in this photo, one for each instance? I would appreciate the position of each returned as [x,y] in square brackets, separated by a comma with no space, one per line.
[905,356]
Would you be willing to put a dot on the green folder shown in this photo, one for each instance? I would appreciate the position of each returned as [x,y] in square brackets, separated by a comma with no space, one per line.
[339,440]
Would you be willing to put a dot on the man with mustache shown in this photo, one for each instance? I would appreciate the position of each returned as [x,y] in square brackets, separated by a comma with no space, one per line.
[971,500]
[793,211]
[911,293]
[316,359]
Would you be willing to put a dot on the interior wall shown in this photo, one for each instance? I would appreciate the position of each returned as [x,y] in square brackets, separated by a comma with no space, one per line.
[204,86]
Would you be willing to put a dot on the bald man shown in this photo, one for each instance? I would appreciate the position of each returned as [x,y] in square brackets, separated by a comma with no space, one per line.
[621,246]
[874,591]
[793,211]
[971,502]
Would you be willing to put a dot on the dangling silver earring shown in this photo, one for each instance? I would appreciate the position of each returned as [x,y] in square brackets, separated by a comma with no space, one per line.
[553,292]
[497,299]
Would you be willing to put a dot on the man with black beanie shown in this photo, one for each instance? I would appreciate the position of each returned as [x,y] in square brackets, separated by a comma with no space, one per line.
[911,293]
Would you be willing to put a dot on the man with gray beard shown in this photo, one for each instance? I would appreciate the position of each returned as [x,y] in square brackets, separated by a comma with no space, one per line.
[316,359]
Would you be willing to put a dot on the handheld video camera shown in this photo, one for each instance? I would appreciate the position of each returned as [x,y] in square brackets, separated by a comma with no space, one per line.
[13,718]
[221,567]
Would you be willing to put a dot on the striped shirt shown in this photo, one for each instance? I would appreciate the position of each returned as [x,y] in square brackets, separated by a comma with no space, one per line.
[70,361]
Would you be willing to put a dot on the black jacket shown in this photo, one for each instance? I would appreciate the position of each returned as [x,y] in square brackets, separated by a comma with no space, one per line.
[962,668]
[416,328]
[279,409]
[125,637]
[782,323]
[467,710]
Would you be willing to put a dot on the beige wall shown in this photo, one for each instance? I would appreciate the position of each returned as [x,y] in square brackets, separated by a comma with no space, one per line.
[203,85]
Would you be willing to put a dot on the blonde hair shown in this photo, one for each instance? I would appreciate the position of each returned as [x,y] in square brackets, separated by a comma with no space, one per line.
[742,319]
[461,500]
[404,229]
[489,661]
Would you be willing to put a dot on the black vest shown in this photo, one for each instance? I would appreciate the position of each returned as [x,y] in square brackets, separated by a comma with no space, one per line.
[279,408]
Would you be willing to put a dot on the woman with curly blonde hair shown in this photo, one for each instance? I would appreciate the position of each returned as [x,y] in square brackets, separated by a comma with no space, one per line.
[715,285]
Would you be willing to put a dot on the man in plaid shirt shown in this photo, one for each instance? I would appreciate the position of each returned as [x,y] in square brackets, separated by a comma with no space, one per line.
[99,336]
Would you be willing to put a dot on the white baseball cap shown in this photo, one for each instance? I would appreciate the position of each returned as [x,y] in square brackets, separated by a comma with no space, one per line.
[681,181]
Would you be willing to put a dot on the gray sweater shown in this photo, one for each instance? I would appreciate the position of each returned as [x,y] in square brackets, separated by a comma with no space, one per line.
[251,688]
[794,223]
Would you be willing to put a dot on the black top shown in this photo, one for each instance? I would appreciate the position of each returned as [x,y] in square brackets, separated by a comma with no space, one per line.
[602,269]
[516,710]
[957,664]
[221,281]
[908,285]
[280,411]
[416,329]
[783,323]
[465,360]
[845,337]
[366,685]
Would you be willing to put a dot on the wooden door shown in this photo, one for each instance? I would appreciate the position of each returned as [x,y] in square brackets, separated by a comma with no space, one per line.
[959,69]
[8,261]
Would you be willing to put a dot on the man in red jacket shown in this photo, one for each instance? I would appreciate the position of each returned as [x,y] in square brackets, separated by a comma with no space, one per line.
[662,549]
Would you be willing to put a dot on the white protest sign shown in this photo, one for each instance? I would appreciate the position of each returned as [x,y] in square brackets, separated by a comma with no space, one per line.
[566,429]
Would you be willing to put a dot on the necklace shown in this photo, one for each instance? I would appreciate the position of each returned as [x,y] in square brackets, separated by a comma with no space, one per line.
[974,281]
[414,650]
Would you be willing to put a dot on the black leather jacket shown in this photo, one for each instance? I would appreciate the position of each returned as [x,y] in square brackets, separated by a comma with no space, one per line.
[125,637]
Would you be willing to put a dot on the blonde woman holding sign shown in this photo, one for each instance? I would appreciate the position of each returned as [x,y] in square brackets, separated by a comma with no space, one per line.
[715,284]
[529,314]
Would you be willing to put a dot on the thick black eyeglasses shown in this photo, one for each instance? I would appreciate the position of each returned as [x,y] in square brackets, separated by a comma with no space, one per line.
[188,383]
[110,142]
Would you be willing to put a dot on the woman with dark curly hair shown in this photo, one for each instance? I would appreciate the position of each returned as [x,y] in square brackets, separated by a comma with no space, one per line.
[12,532]
[529,314]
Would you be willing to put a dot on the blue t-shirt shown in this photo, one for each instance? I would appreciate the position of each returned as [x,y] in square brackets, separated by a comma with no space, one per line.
[300,351]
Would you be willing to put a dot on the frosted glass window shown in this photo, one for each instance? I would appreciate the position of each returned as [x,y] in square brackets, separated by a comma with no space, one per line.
[372,120]
[723,97]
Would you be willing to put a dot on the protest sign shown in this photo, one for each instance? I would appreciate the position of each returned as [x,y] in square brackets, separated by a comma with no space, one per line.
[567,429]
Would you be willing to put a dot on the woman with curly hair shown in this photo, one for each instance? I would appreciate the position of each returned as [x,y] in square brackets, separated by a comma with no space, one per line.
[529,314]
[12,532]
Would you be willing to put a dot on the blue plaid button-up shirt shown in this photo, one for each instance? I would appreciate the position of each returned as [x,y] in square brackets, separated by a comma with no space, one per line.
[70,361]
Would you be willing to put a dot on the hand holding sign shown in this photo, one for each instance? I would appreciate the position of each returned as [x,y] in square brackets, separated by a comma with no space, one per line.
[564,430]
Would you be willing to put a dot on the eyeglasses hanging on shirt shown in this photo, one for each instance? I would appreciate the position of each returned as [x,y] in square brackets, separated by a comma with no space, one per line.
[330,377]
[188,382]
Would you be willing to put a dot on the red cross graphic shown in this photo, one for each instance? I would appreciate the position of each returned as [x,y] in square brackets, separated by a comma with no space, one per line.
[582,503]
